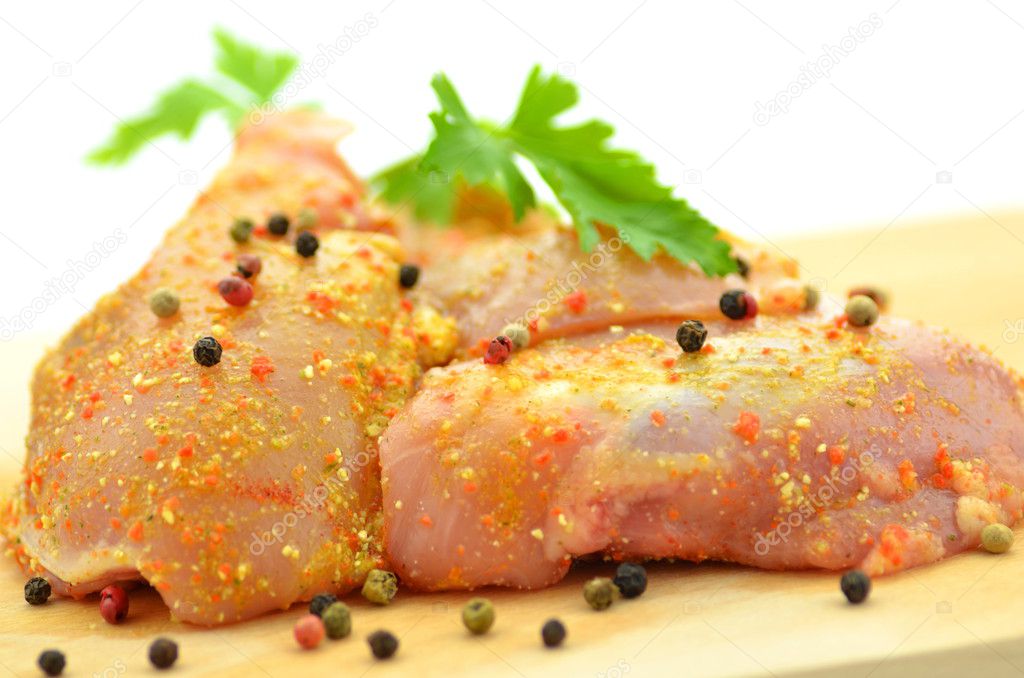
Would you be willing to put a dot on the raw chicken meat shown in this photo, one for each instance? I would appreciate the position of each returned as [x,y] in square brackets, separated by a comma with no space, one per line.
[785,443]
[241,487]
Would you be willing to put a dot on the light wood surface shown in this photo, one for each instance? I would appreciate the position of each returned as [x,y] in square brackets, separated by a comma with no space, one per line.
[965,615]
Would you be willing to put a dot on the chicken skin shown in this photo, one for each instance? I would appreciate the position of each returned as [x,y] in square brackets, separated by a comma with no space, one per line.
[244,486]
[786,443]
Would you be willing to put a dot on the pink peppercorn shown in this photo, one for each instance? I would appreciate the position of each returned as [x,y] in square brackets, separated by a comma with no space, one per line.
[236,291]
[249,265]
[309,631]
[113,604]
[499,350]
[751,305]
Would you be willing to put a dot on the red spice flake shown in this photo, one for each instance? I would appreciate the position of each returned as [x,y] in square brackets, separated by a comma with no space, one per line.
[576,301]
[707,349]
[543,459]
[908,477]
[891,543]
[487,520]
[185,452]
[561,436]
[67,382]
[748,426]
[668,362]
[904,404]
[426,521]
[87,412]
[149,454]
[832,333]
[323,303]
[406,305]
[469,487]
[135,531]
[658,418]
[115,523]
[261,368]
[836,454]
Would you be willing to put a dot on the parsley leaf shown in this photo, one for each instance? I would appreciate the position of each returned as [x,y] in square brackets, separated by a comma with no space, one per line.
[180,109]
[596,184]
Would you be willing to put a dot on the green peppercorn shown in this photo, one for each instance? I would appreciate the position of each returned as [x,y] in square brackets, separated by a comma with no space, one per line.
[599,593]
[861,311]
[380,587]
[163,652]
[997,538]
[478,615]
[321,602]
[241,230]
[855,586]
[307,219]
[812,297]
[630,579]
[517,334]
[164,303]
[552,633]
[37,591]
[691,335]
[277,224]
[337,620]
[383,644]
[52,662]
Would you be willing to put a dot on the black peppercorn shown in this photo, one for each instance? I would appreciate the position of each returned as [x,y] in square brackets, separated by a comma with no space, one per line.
[734,304]
[277,224]
[742,267]
[37,591]
[553,633]
[408,274]
[306,244]
[321,602]
[630,579]
[856,586]
[207,351]
[383,644]
[52,662]
[163,652]
[691,335]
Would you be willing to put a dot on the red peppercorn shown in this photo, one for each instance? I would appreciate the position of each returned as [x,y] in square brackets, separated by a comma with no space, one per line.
[309,631]
[249,265]
[498,351]
[236,291]
[113,604]
[751,306]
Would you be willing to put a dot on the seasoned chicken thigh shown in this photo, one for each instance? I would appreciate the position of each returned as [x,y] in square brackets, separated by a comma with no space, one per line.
[784,443]
[243,486]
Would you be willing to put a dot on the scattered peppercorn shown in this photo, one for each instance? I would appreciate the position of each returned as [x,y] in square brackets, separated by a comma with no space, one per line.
[241,230]
[997,538]
[855,586]
[236,291]
[380,587]
[277,224]
[249,265]
[691,335]
[599,592]
[321,602]
[163,652]
[498,351]
[306,244]
[52,662]
[164,303]
[207,351]
[307,218]
[383,644]
[880,297]
[337,620]
[742,267]
[861,311]
[37,591]
[630,579]
[812,297]
[309,631]
[517,333]
[478,615]
[738,305]
[553,633]
[113,604]
[408,275]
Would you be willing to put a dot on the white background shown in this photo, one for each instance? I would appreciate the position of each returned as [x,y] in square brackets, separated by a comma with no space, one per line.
[935,88]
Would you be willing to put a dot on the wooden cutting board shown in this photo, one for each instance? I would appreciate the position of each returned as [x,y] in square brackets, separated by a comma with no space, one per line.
[963,615]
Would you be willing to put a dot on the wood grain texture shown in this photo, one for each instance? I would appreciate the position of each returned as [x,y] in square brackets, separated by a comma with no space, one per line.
[959,616]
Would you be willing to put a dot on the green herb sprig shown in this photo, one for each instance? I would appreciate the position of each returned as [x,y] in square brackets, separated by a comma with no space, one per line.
[596,184]
[246,76]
